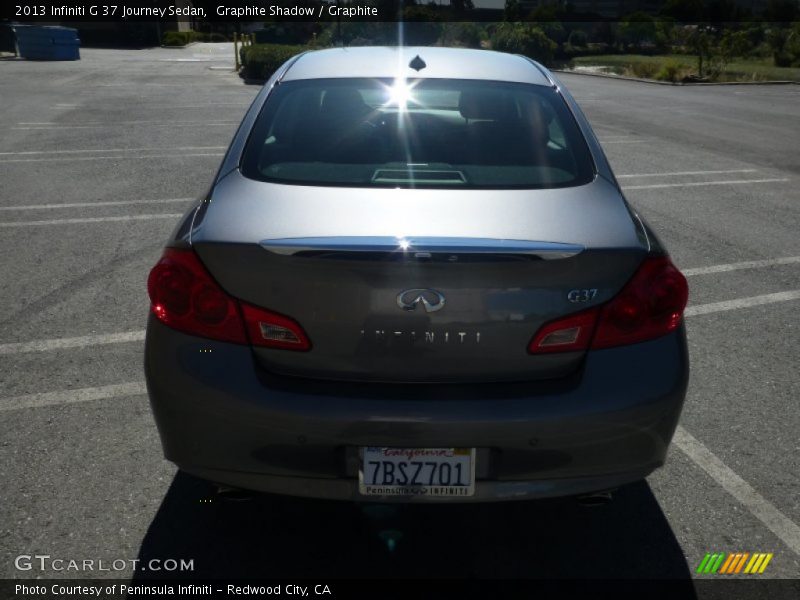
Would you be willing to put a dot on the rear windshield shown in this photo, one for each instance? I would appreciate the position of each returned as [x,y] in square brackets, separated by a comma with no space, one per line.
[426,133]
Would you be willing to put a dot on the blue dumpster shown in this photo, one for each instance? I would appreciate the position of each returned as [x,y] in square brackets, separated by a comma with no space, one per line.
[47,43]
[7,39]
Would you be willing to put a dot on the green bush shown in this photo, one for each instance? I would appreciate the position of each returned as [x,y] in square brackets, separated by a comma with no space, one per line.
[782,59]
[260,61]
[643,70]
[793,45]
[286,33]
[591,49]
[421,33]
[422,27]
[578,39]
[522,38]
[785,45]
[578,45]
[357,33]
[671,70]
[462,34]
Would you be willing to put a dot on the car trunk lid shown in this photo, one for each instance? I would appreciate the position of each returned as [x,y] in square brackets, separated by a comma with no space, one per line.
[454,294]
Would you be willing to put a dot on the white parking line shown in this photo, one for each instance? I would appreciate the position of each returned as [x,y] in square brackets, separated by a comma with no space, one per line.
[35,152]
[118,157]
[750,264]
[71,396]
[243,103]
[93,204]
[192,60]
[90,220]
[143,122]
[698,183]
[74,342]
[117,124]
[714,307]
[604,143]
[759,507]
[677,173]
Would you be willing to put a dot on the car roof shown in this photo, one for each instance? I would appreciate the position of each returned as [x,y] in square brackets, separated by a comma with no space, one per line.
[440,63]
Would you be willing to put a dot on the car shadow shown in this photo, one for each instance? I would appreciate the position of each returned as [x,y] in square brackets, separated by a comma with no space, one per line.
[274,536]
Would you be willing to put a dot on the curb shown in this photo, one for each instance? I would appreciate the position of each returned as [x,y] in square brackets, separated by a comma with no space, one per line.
[677,83]
[620,77]
[179,47]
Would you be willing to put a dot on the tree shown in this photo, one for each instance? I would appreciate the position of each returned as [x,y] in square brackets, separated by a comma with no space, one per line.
[733,44]
[461,6]
[512,11]
[578,38]
[665,32]
[701,41]
[554,30]
[685,11]
[782,11]
[422,26]
[637,29]
[463,34]
[785,45]
[545,13]
[723,11]
[523,38]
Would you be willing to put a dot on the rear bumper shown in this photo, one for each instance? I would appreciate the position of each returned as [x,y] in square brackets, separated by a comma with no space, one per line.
[223,418]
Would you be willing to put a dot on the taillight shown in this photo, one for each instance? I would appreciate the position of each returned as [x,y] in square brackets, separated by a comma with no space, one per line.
[272,330]
[570,334]
[184,296]
[649,306]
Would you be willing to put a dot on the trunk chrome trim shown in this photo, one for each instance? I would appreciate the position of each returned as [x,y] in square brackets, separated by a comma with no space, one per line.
[421,247]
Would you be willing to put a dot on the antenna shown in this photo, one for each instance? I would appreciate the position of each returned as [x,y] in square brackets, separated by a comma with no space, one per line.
[417,63]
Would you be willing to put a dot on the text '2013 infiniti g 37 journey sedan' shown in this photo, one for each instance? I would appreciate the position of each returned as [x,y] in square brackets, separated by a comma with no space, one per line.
[415,278]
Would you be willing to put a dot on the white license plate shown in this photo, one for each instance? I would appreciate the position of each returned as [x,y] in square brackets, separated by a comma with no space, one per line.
[417,471]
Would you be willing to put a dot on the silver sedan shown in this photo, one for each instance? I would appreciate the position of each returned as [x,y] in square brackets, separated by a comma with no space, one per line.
[415,278]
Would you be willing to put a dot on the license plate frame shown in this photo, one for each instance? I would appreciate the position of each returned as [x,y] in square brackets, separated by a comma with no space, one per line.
[368,474]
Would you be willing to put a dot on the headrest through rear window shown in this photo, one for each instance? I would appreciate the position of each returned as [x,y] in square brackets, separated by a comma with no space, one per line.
[343,102]
[486,104]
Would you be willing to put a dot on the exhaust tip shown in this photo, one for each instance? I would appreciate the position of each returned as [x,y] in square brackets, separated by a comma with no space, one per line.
[595,499]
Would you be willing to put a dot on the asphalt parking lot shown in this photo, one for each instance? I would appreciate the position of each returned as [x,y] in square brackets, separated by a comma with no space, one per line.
[98,158]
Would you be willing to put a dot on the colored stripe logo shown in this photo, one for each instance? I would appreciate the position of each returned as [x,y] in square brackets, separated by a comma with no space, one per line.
[732,563]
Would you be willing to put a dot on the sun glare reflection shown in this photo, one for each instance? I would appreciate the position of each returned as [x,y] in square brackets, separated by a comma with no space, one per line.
[400,94]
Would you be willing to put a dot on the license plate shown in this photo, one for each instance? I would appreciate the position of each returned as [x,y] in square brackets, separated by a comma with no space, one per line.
[417,471]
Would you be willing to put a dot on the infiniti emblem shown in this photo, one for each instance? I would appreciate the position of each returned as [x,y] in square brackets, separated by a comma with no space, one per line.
[431,300]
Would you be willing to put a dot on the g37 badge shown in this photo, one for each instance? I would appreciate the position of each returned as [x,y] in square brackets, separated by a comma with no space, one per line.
[582,295]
